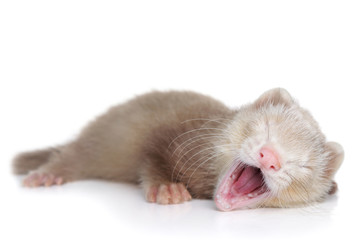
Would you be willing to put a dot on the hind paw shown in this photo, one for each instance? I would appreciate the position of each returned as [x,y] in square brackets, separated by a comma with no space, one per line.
[42,179]
[172,193]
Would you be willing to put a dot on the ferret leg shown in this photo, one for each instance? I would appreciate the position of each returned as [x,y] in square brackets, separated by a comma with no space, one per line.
[59,169]
[158,189]
[37,179]
[52,173]
[167,193]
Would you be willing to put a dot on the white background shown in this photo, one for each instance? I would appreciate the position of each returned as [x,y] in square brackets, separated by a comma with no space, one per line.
[64,62]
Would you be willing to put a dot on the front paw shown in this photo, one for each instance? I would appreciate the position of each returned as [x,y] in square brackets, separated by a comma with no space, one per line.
[171,193]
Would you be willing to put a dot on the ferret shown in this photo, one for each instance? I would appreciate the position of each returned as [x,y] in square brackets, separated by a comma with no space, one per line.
[180,145]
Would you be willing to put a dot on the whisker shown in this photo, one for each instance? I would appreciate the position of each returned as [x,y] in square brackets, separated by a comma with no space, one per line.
[203,162]
[183,155]
[302,186]
[214,154]
[203,150]
[190,131]
[208,120]
[227,165]
[211,135]
[192,141]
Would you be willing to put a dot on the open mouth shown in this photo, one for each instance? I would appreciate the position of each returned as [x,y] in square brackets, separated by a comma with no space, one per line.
[242,186]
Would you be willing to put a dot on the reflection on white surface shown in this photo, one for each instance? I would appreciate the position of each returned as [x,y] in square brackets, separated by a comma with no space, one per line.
[95,209]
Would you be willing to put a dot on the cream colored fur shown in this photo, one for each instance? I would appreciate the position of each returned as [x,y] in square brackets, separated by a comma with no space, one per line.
[187,138]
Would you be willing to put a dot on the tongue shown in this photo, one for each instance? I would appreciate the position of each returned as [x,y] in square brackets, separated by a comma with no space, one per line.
[249,180]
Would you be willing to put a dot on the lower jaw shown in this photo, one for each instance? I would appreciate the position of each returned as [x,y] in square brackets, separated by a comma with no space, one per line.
[240,202]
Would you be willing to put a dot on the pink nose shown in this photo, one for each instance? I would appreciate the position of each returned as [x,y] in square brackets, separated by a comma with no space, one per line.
[269,159]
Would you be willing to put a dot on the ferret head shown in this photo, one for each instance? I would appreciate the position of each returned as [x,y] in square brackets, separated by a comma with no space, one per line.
[278,156]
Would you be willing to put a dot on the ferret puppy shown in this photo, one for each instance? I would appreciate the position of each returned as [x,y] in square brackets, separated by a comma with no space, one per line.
[180,145]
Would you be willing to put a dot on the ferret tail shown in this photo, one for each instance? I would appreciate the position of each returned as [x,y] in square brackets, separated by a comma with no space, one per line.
[28,161]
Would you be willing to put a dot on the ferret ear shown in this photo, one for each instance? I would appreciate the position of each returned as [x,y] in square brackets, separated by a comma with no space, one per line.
[274,96]
[336,153]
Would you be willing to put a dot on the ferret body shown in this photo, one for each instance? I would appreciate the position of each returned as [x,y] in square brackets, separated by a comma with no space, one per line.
[180,145]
